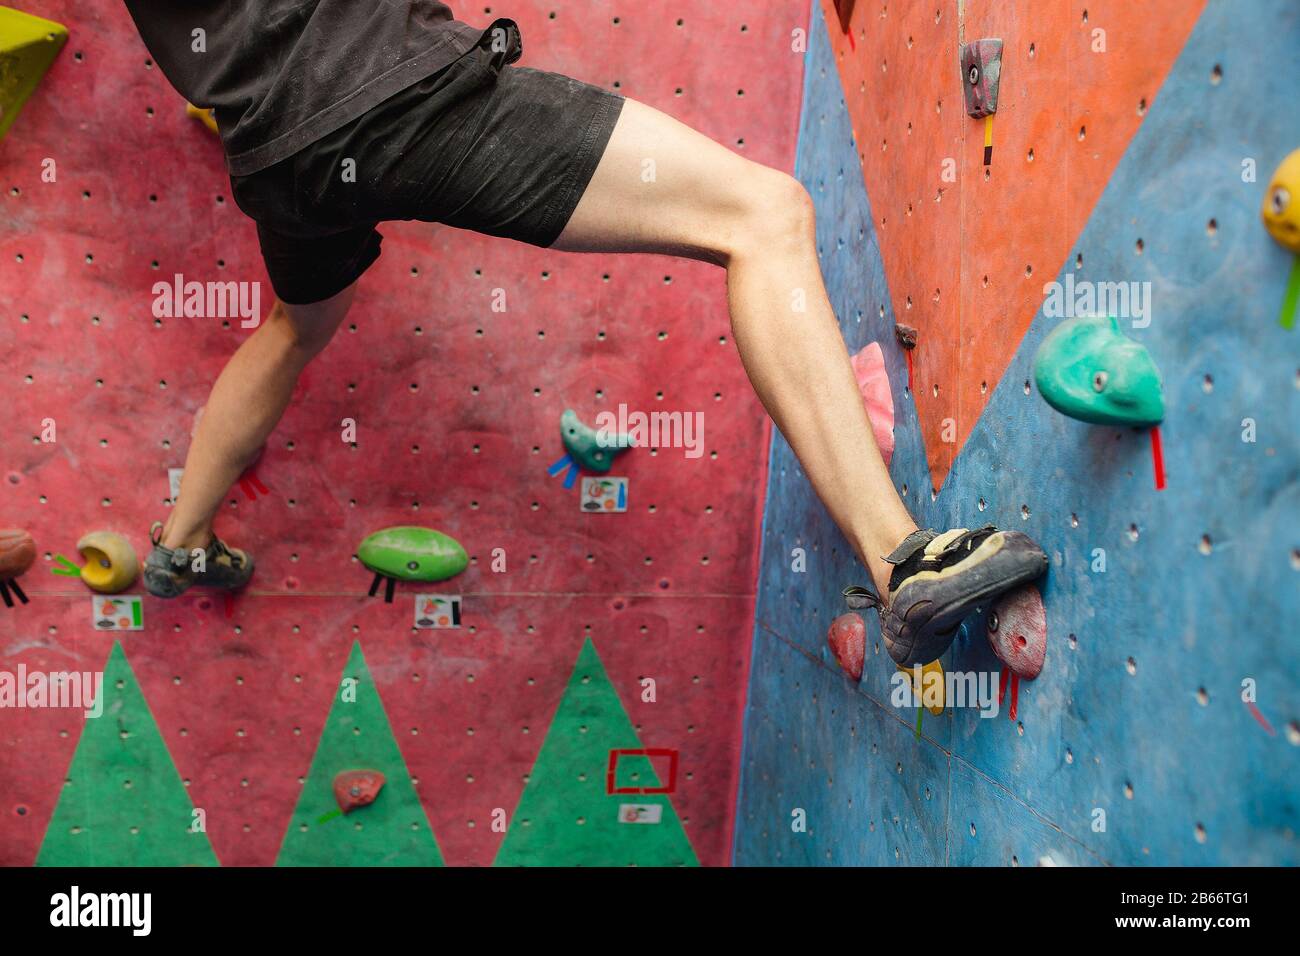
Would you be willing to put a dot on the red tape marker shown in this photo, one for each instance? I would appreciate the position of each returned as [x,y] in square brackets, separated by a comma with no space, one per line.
[1263,721]
[612,771]
[1158,457]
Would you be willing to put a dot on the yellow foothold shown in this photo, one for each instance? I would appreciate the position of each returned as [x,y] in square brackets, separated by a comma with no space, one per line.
[1281,209]
[111,565]
[929,687]
[203,116]
[28,45]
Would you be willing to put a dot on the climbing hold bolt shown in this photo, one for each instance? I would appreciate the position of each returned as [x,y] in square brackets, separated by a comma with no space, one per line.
[1087,369]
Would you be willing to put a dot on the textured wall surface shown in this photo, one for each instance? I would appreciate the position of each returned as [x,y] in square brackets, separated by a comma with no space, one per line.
[457,410]
[1138,711]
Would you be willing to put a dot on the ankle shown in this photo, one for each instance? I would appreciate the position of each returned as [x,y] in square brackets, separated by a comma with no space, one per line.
[872,553]
[178,539]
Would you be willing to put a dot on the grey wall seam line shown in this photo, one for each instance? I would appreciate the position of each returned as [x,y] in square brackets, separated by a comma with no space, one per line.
[951,756]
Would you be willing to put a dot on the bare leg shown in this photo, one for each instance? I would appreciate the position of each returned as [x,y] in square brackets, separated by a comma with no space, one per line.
[708,203]
[247,401]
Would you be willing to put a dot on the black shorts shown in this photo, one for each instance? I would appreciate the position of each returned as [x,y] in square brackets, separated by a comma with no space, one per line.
[481,145]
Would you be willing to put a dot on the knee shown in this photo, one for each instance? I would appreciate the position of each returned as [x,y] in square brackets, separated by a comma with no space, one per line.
[778,214]
[305,330]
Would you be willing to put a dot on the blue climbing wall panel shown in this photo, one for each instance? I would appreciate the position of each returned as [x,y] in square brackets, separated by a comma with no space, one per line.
[1139,710]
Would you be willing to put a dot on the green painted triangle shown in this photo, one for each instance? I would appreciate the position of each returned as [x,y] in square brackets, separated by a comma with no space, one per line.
[123,803]
[28,45]
[392,831]
[565,817]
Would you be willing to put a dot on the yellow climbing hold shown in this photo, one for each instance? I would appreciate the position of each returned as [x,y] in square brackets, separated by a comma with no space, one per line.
[28,45]
[927,685]
[1281,210]
[203,116]
[111,565]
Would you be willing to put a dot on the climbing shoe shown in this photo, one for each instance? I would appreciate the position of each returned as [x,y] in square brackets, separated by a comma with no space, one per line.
[169,572]
[938,579]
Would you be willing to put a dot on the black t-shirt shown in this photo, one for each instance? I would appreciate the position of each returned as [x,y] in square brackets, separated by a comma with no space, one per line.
[281,74]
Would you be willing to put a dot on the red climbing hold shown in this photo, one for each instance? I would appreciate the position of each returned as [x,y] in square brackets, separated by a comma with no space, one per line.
[848,641]
[17,552]
[1017,629]
[357,788]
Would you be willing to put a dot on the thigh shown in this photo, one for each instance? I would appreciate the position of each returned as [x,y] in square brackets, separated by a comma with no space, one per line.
[663,187]
[521,167]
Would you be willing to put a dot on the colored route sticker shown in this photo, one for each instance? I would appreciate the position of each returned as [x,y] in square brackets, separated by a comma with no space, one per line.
[434,611]
[640,812]
[117,612]
[174,483]
[603,495]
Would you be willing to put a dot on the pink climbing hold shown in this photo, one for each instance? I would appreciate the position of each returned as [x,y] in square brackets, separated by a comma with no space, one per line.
[848,640]
[1017,630]
[873,383]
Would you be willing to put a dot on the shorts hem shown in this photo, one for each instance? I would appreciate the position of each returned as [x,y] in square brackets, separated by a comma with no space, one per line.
[582,168]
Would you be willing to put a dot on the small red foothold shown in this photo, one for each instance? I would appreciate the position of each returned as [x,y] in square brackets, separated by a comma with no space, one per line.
[1017,630]
[357,788]
[848,641]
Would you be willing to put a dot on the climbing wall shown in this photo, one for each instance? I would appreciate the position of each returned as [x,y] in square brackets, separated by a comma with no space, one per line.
[231,712]
[1165,725]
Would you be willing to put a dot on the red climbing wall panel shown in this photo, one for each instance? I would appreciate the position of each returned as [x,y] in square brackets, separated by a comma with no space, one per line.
[967,253]
[457,410]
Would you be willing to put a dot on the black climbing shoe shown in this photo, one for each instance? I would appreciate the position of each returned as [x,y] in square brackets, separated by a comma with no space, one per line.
[169,572]
[938,579]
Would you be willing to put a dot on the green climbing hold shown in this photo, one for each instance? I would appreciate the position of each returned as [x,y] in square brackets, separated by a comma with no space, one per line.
[410,553]
[1089,370]
[28,45]
[592,449]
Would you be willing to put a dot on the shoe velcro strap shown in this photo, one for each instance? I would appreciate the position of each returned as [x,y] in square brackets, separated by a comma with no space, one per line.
[858,598]
[913,543]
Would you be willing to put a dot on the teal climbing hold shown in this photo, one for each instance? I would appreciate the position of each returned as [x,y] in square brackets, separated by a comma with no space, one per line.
[409,553]
[1089,370]
[592,449]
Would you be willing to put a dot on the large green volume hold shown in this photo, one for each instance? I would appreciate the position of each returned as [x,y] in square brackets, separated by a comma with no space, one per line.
[410,553]
[1087,369]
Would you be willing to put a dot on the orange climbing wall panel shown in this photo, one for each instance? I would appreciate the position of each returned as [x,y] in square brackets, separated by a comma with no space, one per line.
[966,260]
[457,410]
